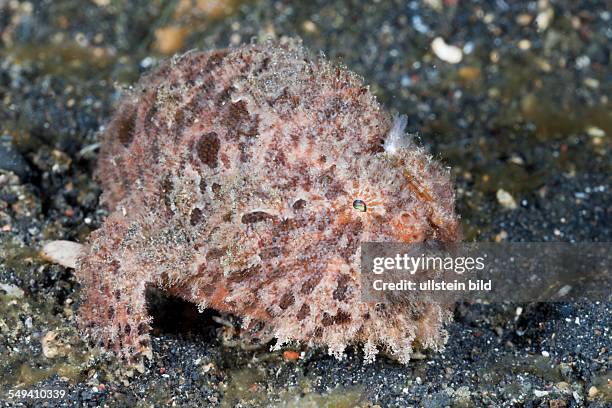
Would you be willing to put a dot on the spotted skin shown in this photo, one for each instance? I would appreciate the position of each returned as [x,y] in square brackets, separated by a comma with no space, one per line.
[245,180]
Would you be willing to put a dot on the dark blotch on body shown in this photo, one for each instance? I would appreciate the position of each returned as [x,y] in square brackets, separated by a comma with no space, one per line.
[208,149]
[125,127]
[196,217]
[256,216]
[340,292]
[286,301]
[303,312]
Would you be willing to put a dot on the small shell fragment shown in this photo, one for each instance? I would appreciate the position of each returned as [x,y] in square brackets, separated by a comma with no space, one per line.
[446,52]
[61,252]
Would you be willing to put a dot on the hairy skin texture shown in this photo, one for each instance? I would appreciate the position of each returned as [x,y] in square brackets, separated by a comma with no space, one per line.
[232,177]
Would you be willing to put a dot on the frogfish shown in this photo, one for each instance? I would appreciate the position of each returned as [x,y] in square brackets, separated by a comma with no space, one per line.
[245,180]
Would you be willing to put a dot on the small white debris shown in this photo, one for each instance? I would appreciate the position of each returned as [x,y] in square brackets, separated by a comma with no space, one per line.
[545,16]
[540,393]
[506,199]
[524,45]
[516,159]
[405,81]
[468,48]
[11,291]
[577,397]
[64,253]
[49,344]
[580,195]
[417,356]
[503,235]
[564,290]
[419,25]
[148,62]
[591,83]
[594,131]
[519,311]
[583,62]
[434,4]
[545,353]
[445,52]
[88,149]
[309,26]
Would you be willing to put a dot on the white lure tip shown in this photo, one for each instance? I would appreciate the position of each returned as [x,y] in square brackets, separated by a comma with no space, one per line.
[397,138]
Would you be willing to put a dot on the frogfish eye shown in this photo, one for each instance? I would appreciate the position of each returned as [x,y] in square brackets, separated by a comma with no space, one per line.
[359,205]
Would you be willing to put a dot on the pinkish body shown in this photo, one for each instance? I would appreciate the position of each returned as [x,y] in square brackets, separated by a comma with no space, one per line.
[232,178]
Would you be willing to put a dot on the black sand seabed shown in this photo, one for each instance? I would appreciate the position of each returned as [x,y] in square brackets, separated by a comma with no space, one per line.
[526,111]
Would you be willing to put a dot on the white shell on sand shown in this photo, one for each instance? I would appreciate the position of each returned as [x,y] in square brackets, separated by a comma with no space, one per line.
[64,253]
[446,52]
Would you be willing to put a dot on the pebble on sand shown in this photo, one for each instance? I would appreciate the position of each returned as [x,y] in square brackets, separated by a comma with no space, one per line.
[64,253]
[506,199]
[446,52]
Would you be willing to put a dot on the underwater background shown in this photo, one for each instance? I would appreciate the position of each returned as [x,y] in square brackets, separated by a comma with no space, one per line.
[513,96]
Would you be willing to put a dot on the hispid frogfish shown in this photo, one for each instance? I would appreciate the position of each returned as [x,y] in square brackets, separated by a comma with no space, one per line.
[244,180]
